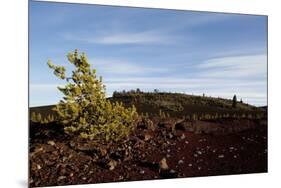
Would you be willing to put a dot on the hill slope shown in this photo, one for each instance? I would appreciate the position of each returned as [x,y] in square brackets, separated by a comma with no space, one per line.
[174,104]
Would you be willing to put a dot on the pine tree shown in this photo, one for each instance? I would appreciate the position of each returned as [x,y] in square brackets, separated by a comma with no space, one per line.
[115,93]
[33,117]
[194,117]
[146,115]
[38,118]
[50,118]
[234,101]
[84,109]
[160,113]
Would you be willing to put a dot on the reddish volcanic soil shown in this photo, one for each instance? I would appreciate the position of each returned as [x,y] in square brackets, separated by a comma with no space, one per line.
[56,159]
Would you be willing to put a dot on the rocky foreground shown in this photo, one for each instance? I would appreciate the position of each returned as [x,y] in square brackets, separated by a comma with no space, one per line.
[158,149]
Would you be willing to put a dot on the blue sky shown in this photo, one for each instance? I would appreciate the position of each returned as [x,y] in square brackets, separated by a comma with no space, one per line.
[178,51]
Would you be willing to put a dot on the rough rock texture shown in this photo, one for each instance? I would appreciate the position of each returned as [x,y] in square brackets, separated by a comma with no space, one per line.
[157,149]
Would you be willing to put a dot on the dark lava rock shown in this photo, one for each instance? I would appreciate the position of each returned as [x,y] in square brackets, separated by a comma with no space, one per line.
[168,174]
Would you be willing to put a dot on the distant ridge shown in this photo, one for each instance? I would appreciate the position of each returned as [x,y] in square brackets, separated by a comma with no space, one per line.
[176,104]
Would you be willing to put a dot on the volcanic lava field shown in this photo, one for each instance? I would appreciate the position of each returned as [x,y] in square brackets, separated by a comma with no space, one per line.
[197,136]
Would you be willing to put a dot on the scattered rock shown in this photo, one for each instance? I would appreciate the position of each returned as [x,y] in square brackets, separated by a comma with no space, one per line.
[147,137]
[202,140]
[61,162]
[182,136]
[103,152]
[61,178]
[151,125]
[180,162]
[163,164]
[52,143]
[39,167]
[170,135]
[38,150]
[221,156]
[112,164]
[172,171]
[64,159]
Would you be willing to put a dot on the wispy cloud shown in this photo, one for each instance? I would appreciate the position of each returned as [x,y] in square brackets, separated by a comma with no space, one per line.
[119,38]
[199,20]
[221,77]
[178,51]
[187,82]
[160,34]
[235,67]
[124,67]
[244,76]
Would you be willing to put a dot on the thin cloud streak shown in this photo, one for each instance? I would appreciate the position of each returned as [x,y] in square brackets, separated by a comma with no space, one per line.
[160,35]
[124,67]
[120,38]
[235,67]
